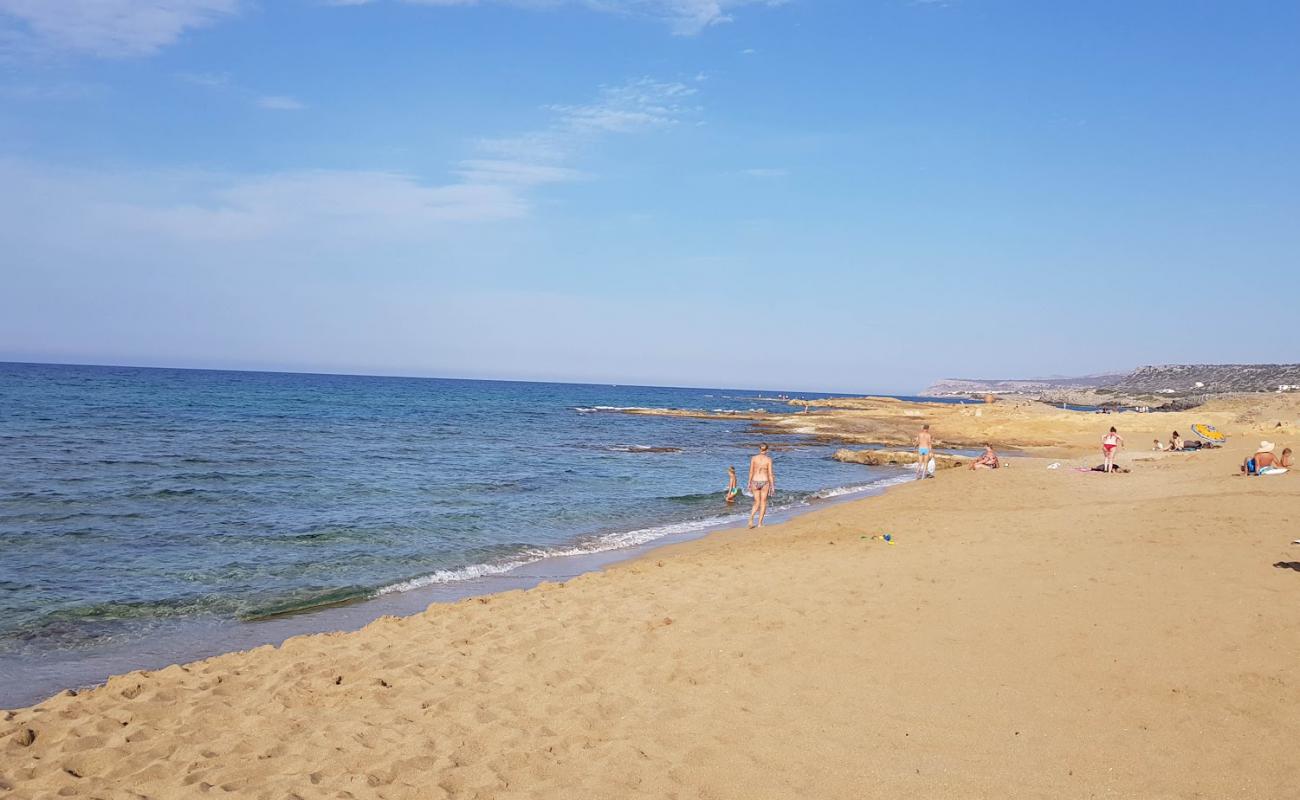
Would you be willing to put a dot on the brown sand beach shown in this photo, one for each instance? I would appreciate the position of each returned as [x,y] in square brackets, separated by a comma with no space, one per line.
[1029,633]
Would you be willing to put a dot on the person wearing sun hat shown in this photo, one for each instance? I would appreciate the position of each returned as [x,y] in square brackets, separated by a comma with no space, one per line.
[1263,458]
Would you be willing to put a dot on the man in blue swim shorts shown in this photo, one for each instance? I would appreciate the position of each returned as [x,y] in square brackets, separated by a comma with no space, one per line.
[923,444]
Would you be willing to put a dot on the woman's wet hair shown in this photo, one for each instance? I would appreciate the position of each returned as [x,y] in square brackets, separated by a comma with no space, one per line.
[1112,429]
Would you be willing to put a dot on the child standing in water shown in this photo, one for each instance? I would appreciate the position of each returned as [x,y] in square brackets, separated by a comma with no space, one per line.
[732,489]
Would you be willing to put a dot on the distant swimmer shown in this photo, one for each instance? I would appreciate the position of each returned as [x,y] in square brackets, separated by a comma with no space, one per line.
[732,489]
[762,482]
[924,443]
[1111,442]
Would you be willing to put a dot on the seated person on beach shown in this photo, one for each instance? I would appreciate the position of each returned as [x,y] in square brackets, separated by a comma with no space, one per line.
[1287,460]
[1156,445]
[1262,459]
[987,460]
[1176,442]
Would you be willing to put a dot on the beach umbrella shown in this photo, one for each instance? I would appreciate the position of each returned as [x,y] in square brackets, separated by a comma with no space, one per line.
[1209,433]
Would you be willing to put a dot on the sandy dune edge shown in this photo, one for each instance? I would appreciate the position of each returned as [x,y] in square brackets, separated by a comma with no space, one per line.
[1033,633]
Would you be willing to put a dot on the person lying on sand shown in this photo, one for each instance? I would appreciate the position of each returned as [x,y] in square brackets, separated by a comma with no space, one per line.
[987,460]
[1263,458]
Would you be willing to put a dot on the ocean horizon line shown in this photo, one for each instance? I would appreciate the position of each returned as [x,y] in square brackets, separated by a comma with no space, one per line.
[430,377]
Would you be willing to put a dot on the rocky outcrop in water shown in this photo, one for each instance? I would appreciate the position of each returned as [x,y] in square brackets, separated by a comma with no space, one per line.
[895,458]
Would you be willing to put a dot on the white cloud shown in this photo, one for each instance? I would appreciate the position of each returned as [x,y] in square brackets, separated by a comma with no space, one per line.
[42,204]
[633,107]
[130,209]
[516,173]
[686,17]
[112,28]
[208,80]
[277,102]
[346,203]
[54,92]
[127,28]
[222,82]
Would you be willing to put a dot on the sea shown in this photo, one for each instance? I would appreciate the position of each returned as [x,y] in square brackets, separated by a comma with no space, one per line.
[150,516]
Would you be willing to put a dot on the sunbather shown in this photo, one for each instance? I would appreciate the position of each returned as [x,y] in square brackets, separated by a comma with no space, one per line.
[987,460]
[1263,458]
[1287,460]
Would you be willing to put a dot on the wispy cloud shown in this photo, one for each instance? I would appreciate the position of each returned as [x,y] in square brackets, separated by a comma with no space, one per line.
[53,92]
[208,80]
[685,17]
[636,106]
[222,82]
[279,102]
[133,28]
[109,28]
[497,184]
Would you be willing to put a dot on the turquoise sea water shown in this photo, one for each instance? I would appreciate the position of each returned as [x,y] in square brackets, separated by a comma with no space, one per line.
[141,502]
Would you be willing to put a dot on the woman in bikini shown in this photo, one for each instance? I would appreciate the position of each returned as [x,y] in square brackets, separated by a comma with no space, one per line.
[762,482]
[1111,442]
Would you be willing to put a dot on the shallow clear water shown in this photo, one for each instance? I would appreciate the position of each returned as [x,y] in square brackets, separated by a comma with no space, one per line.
[132,498]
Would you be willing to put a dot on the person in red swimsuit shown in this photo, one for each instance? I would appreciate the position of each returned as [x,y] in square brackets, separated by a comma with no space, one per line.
[1111,442]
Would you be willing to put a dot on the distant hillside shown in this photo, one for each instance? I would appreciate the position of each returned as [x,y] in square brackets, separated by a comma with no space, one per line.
[1210,378]
[1017,385]
[1165,384]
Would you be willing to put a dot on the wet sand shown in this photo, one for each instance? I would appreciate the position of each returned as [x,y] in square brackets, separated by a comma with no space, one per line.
[1031,633]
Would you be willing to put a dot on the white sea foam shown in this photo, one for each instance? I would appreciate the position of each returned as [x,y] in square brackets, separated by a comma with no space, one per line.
[595,409]
[462,574]
[620,540]
[840,491]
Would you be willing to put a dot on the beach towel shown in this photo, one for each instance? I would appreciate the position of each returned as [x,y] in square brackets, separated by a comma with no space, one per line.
[1272,471]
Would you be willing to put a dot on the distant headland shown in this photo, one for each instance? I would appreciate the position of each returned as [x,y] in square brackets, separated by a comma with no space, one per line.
[1161,386]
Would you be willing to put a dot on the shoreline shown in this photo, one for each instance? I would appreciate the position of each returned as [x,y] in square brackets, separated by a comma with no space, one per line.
[1031,632]
[188,641]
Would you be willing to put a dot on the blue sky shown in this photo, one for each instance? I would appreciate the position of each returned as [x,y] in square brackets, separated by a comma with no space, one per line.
[845,195]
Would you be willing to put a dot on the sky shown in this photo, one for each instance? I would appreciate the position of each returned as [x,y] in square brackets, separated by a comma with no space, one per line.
[834,195]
